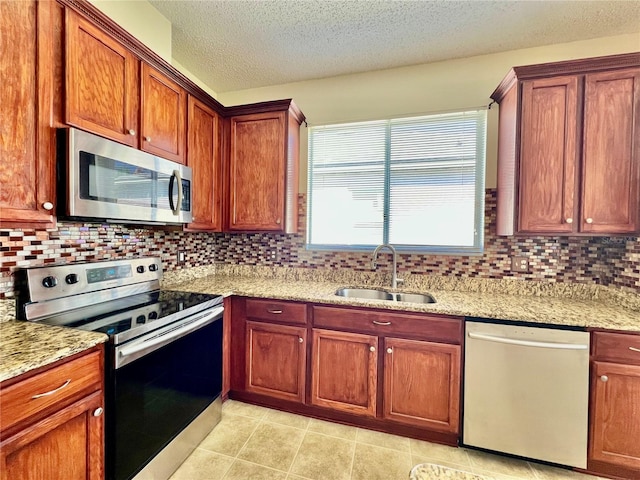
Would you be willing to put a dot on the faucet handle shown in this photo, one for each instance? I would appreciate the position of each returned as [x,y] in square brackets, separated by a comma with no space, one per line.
[373,264]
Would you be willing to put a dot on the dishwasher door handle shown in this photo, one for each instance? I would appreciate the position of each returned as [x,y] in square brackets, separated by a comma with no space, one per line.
[528,343]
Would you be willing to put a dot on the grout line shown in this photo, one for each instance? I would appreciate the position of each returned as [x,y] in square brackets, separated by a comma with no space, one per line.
[353,458]
[296,455]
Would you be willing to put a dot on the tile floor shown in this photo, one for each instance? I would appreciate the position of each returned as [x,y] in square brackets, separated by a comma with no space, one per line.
[256,443]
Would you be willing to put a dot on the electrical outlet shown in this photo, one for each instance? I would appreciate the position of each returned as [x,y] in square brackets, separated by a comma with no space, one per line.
[520,264]
[272,255]
[181,257]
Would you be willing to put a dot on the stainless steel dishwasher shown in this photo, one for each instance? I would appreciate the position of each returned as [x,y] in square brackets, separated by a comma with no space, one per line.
[526,391]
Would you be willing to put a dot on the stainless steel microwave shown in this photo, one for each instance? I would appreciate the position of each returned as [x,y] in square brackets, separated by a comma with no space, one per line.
[105,180]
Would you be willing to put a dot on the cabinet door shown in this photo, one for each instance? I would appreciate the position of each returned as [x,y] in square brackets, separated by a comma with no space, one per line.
[101,82]
[344,371]
[276,360]
[67,445]
[163,115]
[548,155]
[611,157]
[422,384]
[615,422]
[27,168]
[257,172]
[203,156]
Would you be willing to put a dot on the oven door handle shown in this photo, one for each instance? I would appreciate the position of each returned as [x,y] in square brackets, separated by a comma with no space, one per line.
[147,345]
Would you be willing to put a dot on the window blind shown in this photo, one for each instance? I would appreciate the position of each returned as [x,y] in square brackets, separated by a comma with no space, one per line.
[417,183]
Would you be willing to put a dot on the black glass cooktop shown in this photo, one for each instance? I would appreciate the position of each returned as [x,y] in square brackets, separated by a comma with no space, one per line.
[141,312]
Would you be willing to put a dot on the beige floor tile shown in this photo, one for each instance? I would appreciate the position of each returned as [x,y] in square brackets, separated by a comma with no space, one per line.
[385,440]
[441,453]
[241,470]
[286,418]
[415,460]
[444,471]
[485,462]
[203,465]
[245,409]
[324,458]
[332,429]
[545,472]
[291,476]
[230,434]
[377,463]
[272,445]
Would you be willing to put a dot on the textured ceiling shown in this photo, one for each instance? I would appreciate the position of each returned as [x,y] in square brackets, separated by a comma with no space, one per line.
[238,44]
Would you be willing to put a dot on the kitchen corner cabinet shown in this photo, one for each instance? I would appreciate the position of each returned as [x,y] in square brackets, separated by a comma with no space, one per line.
[27,169]
[263,168]
[102,87]
[569,148]
[203,156]
[615,396]
[52,422]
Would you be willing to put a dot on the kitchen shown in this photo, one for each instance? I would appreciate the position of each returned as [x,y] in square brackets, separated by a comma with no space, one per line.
[602,266]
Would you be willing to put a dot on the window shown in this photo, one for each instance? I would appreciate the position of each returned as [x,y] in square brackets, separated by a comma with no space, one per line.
[417,183]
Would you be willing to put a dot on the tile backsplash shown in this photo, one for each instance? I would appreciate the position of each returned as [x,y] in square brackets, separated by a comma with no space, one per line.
[612,261]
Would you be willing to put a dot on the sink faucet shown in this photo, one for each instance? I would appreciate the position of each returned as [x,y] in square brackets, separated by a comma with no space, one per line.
[394,272]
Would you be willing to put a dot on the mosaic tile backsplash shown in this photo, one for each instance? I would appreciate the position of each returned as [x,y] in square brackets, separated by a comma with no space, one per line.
[611,261]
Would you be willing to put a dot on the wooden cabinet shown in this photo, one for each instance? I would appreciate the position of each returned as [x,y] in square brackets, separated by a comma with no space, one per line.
[263,168]
[52,422]
[422,383]
[203,156]
[102,88]
[27,169]
[276,360]
[568,147]
[344,373]
[163,106]
[615,400]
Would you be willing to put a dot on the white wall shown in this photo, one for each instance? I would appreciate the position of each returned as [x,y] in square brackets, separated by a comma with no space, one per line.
[436,87]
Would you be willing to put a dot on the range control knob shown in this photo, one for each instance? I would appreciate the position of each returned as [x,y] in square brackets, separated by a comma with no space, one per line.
[153,315]
[153,267]
[140,319]
[49,282]
[71,279]
[140,269]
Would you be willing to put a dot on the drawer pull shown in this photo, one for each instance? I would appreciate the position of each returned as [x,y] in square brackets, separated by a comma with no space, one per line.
[274,311]
[634,349]
[376,322]
[46,394]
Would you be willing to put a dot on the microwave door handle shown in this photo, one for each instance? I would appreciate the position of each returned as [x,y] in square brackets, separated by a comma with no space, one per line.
[175,208]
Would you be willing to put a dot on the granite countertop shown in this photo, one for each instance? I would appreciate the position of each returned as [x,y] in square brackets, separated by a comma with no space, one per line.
[25,346]
[536,309]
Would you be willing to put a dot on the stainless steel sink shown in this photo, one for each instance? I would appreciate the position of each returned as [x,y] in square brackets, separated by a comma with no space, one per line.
[375,294]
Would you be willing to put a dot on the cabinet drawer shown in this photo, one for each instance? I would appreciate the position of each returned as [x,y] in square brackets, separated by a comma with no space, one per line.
[32,395]
[423,326]
[616,347]
[277,311]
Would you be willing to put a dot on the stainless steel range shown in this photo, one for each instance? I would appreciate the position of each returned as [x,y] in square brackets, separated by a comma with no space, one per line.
[163,372]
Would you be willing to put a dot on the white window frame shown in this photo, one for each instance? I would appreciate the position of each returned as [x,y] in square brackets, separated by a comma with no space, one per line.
[479,214]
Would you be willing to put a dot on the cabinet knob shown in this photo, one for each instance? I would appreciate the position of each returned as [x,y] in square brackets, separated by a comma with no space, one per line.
[569,220]
[589,220]
[300,340]
[97,412]
[389,350]
[147,139]
[47,206]
[131,132]
[372,348]
[278,221]
[604,378]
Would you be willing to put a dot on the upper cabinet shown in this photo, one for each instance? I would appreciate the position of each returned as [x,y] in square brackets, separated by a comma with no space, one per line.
[102,89]
[568,148]
[162,116]
[27,168]
[263,167]
[204,158]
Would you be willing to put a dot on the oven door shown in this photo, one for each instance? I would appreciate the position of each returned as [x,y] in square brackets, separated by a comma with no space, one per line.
[159,384]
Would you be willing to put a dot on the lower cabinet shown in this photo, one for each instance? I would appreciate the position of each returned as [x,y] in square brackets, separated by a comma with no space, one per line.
[53,423]
[615,402]
[422,384]
[344,372]
[276,360]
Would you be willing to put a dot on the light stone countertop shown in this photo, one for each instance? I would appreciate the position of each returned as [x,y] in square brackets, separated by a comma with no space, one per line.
[573,312]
